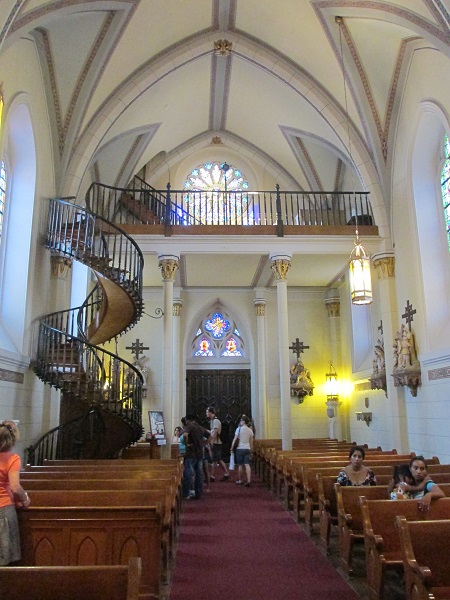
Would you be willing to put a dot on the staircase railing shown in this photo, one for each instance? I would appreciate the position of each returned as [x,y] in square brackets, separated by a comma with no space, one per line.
[65,357]
[146,205]
[66,442]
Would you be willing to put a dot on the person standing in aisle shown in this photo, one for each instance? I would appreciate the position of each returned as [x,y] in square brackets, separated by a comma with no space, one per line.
[216,429]
[243,447]
[12,494]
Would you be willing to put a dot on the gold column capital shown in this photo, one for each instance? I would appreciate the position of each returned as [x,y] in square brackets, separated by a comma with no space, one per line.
[280,266]
[333,308]
[60,266]
[384,265]
[260,308]
[176,308]
[168,267]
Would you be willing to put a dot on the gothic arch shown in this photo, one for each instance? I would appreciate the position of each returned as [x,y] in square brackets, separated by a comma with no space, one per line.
[426,165]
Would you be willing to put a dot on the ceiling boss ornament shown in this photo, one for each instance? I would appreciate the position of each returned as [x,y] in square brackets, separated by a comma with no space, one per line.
[222,47]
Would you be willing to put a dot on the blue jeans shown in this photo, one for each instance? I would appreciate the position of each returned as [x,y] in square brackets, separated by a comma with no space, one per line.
[193,467]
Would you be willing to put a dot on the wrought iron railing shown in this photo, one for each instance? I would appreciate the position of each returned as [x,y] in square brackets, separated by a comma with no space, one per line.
[65,358]
[67,441]
[146,205]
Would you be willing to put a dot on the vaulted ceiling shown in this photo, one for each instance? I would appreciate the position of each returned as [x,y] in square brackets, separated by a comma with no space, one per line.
[147,82]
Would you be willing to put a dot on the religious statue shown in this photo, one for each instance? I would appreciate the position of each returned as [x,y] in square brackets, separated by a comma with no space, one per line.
[379,365]
[301,383]
[404,352]
[406,366]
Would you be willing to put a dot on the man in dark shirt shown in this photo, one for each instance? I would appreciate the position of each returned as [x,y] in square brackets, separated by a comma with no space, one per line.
[195,437]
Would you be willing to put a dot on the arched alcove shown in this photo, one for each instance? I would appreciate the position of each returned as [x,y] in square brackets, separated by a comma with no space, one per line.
[20,157]
[426,165]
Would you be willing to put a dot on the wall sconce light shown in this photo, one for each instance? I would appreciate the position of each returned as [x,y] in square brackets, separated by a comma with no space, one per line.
[331,384]
[364,416]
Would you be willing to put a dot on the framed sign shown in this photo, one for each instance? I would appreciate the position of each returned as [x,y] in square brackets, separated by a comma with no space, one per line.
[157,424]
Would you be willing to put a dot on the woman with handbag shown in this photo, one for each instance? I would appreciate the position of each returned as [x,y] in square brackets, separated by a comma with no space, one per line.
[243,447]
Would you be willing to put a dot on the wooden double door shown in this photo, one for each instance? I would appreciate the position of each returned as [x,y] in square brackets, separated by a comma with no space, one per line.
[228,391]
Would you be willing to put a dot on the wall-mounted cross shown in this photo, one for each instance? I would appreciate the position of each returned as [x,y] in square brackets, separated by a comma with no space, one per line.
[298,347]
[380,327]
[137,348]
[409,314]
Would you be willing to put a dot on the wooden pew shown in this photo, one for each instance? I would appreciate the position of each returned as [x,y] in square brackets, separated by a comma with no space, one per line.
[381,538]
[94,534]
[327,498]
[350,522]
[299,464]
[119,582]
[172,506]
[281,464]
[425,558]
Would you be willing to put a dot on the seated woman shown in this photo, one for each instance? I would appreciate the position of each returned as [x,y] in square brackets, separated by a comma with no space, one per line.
[401,478]
[423,489]
[356,473]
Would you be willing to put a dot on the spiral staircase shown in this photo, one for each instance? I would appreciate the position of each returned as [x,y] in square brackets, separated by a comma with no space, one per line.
[101,394]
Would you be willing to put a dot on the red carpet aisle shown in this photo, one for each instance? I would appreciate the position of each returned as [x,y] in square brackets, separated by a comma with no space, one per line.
[240,544]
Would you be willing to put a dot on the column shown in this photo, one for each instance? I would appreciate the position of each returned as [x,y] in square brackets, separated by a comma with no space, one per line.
[280,266]
[384,264]
[333,305]
[168,265]
[261,420]
[177,405]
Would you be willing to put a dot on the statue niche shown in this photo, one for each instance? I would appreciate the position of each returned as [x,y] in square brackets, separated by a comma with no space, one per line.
[406,366]
[301,383]
[378,378]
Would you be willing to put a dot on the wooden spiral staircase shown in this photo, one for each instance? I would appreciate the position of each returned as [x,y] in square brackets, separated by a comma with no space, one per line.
[101,394]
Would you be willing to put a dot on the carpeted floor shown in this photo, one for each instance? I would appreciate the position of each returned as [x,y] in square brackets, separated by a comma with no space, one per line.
[240,543]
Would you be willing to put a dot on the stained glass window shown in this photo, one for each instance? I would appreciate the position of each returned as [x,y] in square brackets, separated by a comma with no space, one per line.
[445,186]
[2,194]
[217,325]
[217,194]
[217,336]
[231,348]
[204,348]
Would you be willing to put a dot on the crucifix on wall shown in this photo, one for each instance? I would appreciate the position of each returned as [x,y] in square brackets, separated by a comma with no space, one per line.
[409,314]
[301,383]
[137,348]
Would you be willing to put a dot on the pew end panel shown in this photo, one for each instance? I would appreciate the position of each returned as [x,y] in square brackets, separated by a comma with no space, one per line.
[94,536]
[425,558]
[69,583]
[381,536]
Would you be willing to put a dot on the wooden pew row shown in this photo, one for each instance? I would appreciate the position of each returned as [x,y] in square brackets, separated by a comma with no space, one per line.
[350,516]
[326,478]
[119,582]
[262,449]
[382,540]
[265,453]
[300,463]
[292,475]
[170,517]
[121,499]
[281,463]
[97,533]
[350,525]
[425,558]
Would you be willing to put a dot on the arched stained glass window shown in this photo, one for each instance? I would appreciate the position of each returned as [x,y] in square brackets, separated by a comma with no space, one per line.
[2,195]
[445,186]
[218,194]
[217,336]
[2,176]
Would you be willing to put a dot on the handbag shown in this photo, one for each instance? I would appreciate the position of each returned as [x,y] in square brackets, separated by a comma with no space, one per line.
[231,465]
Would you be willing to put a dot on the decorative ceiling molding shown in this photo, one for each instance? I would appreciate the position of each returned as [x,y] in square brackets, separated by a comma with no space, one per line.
[403,16]
[15,10]
[310,163]
[220,91]
[339,176]
[439,11]
[262,264]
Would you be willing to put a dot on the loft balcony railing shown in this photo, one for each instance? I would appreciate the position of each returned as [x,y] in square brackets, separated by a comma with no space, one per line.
[144,205]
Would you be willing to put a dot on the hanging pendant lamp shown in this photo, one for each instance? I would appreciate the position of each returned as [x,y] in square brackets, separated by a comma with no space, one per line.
[360,278]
